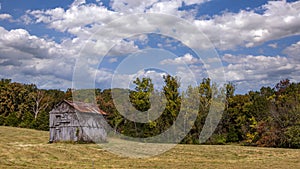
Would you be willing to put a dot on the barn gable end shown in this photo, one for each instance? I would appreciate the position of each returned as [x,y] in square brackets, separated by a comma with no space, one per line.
[76,121]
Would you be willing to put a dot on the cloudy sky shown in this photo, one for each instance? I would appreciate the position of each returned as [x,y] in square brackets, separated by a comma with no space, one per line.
[108,43]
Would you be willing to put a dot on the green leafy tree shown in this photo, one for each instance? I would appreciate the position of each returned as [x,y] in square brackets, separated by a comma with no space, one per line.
[140,97]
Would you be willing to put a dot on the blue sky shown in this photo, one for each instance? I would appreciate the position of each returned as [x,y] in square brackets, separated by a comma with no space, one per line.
[54,43]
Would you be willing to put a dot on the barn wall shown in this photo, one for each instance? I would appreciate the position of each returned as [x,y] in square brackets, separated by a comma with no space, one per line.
[67,124]
[92,126]
[63,124]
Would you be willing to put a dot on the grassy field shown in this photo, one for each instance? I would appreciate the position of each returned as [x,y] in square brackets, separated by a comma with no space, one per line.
[25,148]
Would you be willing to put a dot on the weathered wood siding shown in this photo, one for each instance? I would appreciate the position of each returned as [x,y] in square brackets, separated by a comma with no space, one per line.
[92,127]
[67,124]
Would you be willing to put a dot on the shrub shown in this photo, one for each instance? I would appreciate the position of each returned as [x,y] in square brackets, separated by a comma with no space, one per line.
[12,120]
[293,137]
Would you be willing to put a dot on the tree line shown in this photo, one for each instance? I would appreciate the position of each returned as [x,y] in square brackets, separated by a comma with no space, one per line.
[24,105]
[269,117]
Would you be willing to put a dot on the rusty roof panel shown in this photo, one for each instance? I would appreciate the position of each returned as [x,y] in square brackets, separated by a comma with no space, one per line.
[85,107]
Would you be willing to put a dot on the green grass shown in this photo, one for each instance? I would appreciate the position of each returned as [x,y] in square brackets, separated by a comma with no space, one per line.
[25,148]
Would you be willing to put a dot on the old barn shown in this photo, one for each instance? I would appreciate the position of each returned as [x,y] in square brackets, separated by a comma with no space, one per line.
[78,122]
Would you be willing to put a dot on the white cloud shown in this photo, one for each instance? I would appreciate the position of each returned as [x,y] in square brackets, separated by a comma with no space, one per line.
[273,45]
[119,80]
[25,19]
[167,7]
[103,76]
[113,60]
[226,31]
[76,17]
[24,56]
[250,71]
[192,2]
[84,21]
[155,76]
[123,47]
[293,51]
[185,59]
[158,6]
[76,3]
[5,16]
[247,28]
[132,6]
[20,40]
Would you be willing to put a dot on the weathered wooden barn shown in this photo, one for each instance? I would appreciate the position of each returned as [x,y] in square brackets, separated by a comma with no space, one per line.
[78,122]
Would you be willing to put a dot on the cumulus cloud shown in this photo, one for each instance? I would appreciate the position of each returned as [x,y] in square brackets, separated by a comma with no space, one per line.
[132,6]
[126,80]
[77,3]
[185,59]
[123,48]
[5,16]
[273,45]
[293,51]
[158,6]
[113,60]
[20,40]
[192,2]
[167,7]
[248,28]
[275,20]
[85,19]
[103,76]
[255,70]
[24,55]
[226,31]
[76,17]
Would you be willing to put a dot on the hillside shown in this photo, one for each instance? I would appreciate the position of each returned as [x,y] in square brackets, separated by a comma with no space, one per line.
[26,148]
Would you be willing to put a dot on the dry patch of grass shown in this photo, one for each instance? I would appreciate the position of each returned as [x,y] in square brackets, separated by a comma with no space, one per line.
[25,148]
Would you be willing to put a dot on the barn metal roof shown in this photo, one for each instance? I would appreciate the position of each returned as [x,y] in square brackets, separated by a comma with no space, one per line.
[85,107]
